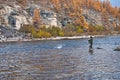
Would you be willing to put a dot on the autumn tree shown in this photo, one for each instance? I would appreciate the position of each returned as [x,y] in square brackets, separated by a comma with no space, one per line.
[22,2]
[36,17]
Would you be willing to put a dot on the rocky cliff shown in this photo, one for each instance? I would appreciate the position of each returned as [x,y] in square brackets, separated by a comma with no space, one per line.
[58,13]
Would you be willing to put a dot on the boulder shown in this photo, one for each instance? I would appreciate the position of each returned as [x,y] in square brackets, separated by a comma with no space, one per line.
[117,49]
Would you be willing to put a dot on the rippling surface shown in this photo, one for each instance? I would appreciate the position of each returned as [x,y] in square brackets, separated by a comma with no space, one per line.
[61,60]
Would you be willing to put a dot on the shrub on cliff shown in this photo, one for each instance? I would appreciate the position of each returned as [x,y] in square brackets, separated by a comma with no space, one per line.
[41,34]
[28,29]
[55,31]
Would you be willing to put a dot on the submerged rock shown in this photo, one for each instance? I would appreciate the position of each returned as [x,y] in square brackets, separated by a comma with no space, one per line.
[99,48]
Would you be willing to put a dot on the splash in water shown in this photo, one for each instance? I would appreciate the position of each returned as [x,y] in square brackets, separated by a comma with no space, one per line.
[59,46]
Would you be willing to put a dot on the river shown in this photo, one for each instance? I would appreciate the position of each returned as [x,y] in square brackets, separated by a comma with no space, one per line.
[61,60]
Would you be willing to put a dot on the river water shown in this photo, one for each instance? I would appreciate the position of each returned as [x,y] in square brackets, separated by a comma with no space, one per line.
[61,60]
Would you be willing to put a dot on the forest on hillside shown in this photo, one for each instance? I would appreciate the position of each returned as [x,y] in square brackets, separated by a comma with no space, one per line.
[74,5]
[73,8]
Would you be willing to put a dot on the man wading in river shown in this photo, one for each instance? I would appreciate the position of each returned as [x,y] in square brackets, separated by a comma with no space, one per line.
[90,42]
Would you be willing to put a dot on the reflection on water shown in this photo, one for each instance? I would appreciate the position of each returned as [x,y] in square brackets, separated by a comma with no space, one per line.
[91,50]
[61,60]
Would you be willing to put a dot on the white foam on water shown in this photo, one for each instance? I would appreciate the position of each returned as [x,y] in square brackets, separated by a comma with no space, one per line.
[59,46]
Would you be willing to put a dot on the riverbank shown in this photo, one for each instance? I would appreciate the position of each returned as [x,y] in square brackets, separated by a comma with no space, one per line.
[51,38]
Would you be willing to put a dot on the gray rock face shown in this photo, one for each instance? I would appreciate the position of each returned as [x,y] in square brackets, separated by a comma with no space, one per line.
[92,17]
[97,18]
[13,16]
[16,16]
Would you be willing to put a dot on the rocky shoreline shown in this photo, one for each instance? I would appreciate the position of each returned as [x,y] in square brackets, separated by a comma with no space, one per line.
[51,38]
